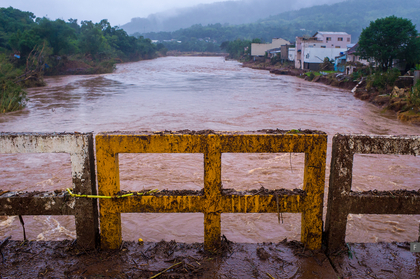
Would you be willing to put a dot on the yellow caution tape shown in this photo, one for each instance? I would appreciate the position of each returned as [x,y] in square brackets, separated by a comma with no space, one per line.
[111,197]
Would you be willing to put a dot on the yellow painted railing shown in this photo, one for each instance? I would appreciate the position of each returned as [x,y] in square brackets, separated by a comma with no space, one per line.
[213,203]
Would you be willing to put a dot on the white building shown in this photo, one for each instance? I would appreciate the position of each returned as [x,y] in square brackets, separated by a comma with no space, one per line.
[311,51]
[292,54]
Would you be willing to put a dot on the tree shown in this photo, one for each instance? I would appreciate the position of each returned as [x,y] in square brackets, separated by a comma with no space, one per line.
[58,34]
[386,39]
[92,40]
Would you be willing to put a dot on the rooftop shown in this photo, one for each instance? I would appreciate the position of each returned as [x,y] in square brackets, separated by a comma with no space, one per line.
[330,33]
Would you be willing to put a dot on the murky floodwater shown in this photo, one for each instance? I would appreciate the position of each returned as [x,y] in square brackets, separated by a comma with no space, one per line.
[195,93]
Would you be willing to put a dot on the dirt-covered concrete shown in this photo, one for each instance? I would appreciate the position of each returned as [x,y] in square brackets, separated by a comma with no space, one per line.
[377,260]
[163,260]
[63,259]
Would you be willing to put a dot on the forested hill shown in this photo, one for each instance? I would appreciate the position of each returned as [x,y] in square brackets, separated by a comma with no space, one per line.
[229,12]
[350,16]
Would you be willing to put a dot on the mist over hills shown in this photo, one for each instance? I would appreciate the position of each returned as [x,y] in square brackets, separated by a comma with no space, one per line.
[350,16]
[226,12]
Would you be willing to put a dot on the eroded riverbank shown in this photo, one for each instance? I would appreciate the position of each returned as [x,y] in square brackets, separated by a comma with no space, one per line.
[393,98]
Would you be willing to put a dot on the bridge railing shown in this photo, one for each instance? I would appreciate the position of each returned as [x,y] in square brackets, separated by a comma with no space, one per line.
[80,148]
[343,201]
[213,202]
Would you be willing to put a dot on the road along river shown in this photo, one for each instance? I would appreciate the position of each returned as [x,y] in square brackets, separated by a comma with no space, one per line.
[175,93]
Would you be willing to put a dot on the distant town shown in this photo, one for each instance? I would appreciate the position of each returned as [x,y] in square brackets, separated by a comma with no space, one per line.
[310,52]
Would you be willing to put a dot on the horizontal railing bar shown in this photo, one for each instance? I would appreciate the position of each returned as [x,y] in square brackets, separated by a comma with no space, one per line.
[175,143]
[388,204]
[16,205]
[194,204]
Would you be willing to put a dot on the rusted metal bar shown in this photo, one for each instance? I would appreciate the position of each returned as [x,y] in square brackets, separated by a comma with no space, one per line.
[341,201]
[80,148]
[213,202]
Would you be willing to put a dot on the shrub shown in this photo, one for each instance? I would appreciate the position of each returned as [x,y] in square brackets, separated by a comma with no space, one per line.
[415,95]
[12,96]
[381,80]
[327,65]
[311,76]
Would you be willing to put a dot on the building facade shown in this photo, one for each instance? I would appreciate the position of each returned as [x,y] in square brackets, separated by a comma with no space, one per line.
[311,51]
[261,49]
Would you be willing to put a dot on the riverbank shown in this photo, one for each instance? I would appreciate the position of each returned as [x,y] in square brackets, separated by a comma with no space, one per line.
[67,65]
[15,78]
[62,259]
[394,97]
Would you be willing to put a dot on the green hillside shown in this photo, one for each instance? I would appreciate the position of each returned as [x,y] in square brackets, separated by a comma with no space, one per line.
[350,16]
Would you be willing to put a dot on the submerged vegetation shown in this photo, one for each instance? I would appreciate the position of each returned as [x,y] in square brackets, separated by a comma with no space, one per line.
[31,47]
[12,96]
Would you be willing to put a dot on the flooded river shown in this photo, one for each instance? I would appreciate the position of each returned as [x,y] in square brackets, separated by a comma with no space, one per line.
[196,93]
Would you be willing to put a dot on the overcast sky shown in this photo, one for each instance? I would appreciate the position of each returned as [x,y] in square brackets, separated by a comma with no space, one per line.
[117,12]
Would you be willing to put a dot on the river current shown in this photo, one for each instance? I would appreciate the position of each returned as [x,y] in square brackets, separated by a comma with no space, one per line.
[196,93]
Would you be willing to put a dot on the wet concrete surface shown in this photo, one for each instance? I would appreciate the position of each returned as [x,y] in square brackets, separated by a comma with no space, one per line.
[377,260]
[62,259]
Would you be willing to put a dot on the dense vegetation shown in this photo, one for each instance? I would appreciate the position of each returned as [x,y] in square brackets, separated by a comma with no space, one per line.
[390,38]
[238,49]
[350,16]
[31,46]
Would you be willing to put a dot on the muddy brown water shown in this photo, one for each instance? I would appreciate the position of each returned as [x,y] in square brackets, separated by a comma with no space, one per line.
[197,93]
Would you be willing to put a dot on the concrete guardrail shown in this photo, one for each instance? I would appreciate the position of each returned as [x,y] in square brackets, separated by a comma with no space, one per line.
[80,148]
[343,201]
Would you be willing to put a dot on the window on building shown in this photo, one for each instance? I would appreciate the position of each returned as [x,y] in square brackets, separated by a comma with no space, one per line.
[323,46]
[348,40]
[337,46]
[328,39]
[340,39]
